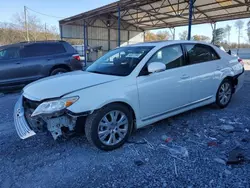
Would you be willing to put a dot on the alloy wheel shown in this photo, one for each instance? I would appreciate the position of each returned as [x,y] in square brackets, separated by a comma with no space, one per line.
[113,127]
[225,93]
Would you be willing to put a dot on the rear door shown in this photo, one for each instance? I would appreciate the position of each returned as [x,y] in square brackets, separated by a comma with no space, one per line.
[36,60]
[204,67]
[10,65]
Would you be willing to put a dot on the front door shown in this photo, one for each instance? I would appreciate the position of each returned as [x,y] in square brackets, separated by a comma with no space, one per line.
[163,92]
[9,66]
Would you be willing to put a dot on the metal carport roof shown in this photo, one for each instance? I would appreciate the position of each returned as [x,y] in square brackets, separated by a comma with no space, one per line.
[141,15]
[155,14]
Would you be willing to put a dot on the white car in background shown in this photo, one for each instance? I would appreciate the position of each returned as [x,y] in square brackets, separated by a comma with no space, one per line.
[128,88]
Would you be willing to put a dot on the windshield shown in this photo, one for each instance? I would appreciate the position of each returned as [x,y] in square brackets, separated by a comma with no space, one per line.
[119,62]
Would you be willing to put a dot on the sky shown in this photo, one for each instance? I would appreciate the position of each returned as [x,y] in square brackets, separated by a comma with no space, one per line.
[67,8]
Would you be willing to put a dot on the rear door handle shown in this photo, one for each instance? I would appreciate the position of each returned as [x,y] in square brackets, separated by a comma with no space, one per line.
[185,76]
[18,63]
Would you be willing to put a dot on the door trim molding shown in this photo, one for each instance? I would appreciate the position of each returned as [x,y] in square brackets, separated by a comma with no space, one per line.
[178,108]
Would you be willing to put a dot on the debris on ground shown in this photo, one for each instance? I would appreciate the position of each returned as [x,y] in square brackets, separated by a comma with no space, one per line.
[246,139]
[166,138]
[176,150]
[139,162]
[236,156]
[227,128]
[175,169]
[228,172]
[219,160]
[212,143]
[137,142]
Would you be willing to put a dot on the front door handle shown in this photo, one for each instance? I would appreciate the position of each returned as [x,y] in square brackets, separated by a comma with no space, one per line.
[185,76]
[18,63]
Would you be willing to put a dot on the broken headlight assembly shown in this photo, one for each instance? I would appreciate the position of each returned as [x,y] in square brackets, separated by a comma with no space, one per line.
[54,106]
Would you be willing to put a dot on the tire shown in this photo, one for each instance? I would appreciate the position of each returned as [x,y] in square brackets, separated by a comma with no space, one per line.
[227,95]
[58,71]
[96,127]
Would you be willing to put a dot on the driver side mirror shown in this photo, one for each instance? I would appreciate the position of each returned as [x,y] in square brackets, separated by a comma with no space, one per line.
[156,67]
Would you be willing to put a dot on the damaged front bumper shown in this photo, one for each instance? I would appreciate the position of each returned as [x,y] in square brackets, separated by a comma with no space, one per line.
[23,129]
[27,126]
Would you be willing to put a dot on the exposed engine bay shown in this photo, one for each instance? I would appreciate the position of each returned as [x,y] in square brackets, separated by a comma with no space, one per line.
[59,124]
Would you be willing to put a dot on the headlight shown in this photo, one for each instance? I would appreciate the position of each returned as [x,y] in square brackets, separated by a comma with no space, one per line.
[50,107]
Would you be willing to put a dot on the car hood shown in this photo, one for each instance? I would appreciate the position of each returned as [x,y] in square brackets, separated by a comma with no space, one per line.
[60,85]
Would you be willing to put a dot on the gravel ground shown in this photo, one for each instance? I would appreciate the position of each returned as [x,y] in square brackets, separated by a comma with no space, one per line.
[150,159]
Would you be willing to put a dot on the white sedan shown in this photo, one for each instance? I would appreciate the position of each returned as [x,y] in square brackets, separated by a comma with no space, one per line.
[128,88]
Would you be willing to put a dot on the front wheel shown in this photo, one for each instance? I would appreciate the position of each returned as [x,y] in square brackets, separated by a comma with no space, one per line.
[224,93]
[109,127]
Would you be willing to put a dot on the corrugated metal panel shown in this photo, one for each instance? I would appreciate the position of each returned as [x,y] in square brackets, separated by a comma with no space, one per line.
[136,37]
[113,44]
[72,31]
[113,34]
[99,23]
[98,33]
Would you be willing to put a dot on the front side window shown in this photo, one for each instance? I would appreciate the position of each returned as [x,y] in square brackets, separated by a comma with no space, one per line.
[198,53]
[171,56]
[120,62]
[9,53]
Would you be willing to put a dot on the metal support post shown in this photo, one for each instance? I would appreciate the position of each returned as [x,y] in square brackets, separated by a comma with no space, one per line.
[119,26]
[85,38]
[190,18]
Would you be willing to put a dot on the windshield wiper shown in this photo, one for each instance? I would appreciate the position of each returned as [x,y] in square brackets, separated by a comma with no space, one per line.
[98,72]
[107,73]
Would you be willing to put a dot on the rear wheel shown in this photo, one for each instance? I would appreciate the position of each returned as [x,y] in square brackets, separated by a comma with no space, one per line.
[224,93]
[58,71]
[109,127]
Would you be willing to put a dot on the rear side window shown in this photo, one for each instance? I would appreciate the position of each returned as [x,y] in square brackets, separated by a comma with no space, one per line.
[9,53]
[198,53]
[34,50]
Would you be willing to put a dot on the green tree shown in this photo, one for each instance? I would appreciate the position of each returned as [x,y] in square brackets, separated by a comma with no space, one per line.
[248,31]
[201,38]
[183,35]
[228,32]
[218,35]
[162,35]
[239,26]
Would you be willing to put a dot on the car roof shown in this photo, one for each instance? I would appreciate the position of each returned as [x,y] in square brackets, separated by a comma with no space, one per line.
[168,42]
[28,43]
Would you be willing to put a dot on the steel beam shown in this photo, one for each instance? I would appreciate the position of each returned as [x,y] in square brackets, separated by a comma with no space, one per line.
[119,26]
[190,19]
[85,38]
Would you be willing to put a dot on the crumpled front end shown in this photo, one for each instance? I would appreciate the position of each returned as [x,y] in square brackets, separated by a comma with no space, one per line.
[57,124]
[23,129]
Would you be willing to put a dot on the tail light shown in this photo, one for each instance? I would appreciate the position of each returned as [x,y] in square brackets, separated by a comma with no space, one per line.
[77,57]
[241,61]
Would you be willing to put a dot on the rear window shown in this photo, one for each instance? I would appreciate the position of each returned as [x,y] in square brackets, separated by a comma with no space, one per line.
[34,50]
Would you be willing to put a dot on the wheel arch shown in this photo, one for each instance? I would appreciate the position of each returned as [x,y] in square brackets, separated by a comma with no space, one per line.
[64,66]
[232,79]
[131,109]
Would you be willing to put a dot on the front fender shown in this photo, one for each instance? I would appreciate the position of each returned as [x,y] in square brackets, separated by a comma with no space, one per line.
[94,98]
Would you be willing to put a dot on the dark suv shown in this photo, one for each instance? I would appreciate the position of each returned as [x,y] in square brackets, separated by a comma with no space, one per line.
[25,62]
